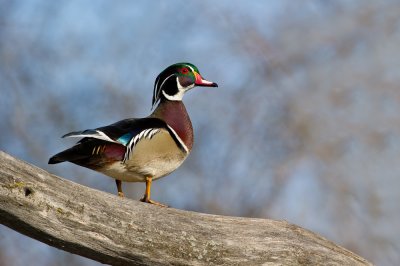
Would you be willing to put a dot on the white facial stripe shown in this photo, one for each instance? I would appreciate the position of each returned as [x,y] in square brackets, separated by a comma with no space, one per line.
[181,88]
[191,68]
[158,90]
[162,84]
[181,92]
[155,91]
[176,97]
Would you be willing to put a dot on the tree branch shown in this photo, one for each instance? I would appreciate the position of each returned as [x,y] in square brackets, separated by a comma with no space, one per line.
[118,231]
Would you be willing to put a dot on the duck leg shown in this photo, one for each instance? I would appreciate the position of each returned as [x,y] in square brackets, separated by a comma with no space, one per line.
[146,197]
[119,188]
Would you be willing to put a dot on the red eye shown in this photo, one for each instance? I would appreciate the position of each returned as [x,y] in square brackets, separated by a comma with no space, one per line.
[184,70]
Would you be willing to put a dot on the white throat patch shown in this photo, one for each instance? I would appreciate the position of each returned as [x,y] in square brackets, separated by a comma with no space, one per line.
[181,92]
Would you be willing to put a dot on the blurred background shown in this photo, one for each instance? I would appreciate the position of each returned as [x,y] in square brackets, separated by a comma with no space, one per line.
[304,126]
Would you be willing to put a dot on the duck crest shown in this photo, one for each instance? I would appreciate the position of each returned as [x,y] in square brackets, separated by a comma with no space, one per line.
[175,115]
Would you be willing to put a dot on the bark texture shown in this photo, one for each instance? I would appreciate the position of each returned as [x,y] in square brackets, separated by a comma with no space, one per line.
[118,231]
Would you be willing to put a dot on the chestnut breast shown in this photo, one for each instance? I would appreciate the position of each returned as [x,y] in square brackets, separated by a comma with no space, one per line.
[175,115]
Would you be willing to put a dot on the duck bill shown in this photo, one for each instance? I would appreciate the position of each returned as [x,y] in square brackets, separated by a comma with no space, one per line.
[203,82]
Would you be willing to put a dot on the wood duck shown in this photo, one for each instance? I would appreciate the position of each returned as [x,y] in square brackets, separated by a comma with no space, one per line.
[142,149]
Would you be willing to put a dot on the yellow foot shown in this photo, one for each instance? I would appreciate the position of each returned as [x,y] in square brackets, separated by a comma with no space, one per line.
[121,194]
[147,200]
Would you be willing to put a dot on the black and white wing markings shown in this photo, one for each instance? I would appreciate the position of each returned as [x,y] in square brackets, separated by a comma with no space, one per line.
[90,133]
[147,133]
[128,133]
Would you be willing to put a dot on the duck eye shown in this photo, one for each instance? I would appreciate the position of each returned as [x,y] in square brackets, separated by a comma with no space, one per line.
[184,70]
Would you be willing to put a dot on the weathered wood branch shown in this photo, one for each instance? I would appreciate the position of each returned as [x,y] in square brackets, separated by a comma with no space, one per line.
[118,231]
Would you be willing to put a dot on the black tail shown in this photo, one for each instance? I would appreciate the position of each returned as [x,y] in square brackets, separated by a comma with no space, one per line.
[75,153]
[56,159]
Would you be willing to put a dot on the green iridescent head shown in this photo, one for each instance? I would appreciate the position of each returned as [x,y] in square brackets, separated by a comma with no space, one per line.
[176,79]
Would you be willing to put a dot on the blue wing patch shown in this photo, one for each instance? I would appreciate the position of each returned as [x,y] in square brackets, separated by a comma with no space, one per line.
[124,139]
[147,133]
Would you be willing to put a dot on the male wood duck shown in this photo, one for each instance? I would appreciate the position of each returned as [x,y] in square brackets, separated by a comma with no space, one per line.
[142,149]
